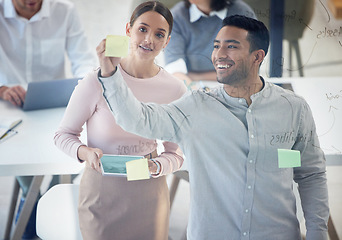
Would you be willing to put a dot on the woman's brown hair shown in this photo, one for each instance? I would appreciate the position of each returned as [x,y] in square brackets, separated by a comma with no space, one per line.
[153,6]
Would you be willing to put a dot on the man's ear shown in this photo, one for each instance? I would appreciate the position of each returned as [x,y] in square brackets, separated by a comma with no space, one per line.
[259,56]
[128,29]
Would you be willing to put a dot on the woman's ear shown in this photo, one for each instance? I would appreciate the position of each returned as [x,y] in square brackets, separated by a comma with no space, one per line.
[128,29]
[167,42]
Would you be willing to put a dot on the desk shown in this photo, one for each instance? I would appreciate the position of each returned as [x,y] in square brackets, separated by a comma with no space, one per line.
[32,152]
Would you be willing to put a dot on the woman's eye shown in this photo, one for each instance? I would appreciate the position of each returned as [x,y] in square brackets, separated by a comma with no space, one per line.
[142,29]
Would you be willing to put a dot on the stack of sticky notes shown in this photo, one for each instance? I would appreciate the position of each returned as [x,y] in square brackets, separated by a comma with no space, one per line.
[116,46]
[288,158]
[137,169]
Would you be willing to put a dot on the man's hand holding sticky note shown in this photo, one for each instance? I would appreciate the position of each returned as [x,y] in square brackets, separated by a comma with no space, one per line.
[288,158]
[116,46]
[137,169]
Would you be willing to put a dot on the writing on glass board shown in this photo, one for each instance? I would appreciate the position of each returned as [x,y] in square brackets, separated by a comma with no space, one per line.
[328,33]
[135,148]
[287,17]
[336,32]
[325,30]
[289,137]
[333,98]
[324,97]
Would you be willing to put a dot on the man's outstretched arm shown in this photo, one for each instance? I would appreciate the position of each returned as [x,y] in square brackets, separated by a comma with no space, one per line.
[151,120]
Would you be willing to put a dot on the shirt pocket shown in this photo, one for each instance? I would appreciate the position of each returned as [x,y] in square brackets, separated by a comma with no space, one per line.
[52,51]
[273,142]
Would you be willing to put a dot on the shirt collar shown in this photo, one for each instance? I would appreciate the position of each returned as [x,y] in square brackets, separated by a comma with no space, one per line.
[196,14]
[9,10]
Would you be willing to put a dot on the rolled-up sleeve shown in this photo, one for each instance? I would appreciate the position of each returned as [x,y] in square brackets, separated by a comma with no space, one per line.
[311,178]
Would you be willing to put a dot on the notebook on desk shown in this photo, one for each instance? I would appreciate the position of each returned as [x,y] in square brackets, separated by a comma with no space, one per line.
[49,94]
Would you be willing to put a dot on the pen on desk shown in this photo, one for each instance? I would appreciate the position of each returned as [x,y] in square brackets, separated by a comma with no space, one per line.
[10,129]
[7,135]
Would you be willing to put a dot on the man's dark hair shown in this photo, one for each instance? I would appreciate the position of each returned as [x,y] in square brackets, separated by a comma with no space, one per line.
[215,5]
[258,35]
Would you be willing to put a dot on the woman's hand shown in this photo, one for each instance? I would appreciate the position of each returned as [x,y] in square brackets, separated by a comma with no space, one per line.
[107,64]
[91,155]
[153,168]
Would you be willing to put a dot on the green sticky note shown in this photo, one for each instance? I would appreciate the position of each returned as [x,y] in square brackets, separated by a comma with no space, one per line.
[116,46]
[288,158]
[137,169]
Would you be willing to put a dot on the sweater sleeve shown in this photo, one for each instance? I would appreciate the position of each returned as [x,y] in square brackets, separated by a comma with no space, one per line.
[80,107]
[170,160]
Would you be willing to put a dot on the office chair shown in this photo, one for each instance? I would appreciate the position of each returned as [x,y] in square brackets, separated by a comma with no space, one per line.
[57,215]
[297,17]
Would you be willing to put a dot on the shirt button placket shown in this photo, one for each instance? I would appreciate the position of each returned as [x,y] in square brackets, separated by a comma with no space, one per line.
[248,201]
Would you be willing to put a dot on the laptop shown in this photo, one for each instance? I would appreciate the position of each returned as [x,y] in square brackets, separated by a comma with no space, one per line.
[49,94]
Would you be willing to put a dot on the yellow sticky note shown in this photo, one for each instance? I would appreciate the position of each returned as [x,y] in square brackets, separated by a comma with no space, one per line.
[116,46]
[288,158]
[137,169]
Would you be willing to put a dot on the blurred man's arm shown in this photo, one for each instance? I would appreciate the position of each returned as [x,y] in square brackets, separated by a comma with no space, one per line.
[82,58]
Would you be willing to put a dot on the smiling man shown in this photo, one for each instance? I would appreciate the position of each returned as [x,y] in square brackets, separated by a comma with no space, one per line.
[238,190]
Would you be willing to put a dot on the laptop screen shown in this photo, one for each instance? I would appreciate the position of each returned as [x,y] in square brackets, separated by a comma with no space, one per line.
[49,94]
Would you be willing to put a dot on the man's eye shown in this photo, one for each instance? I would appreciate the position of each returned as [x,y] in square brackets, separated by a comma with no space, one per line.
[216,46]
[231,46]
